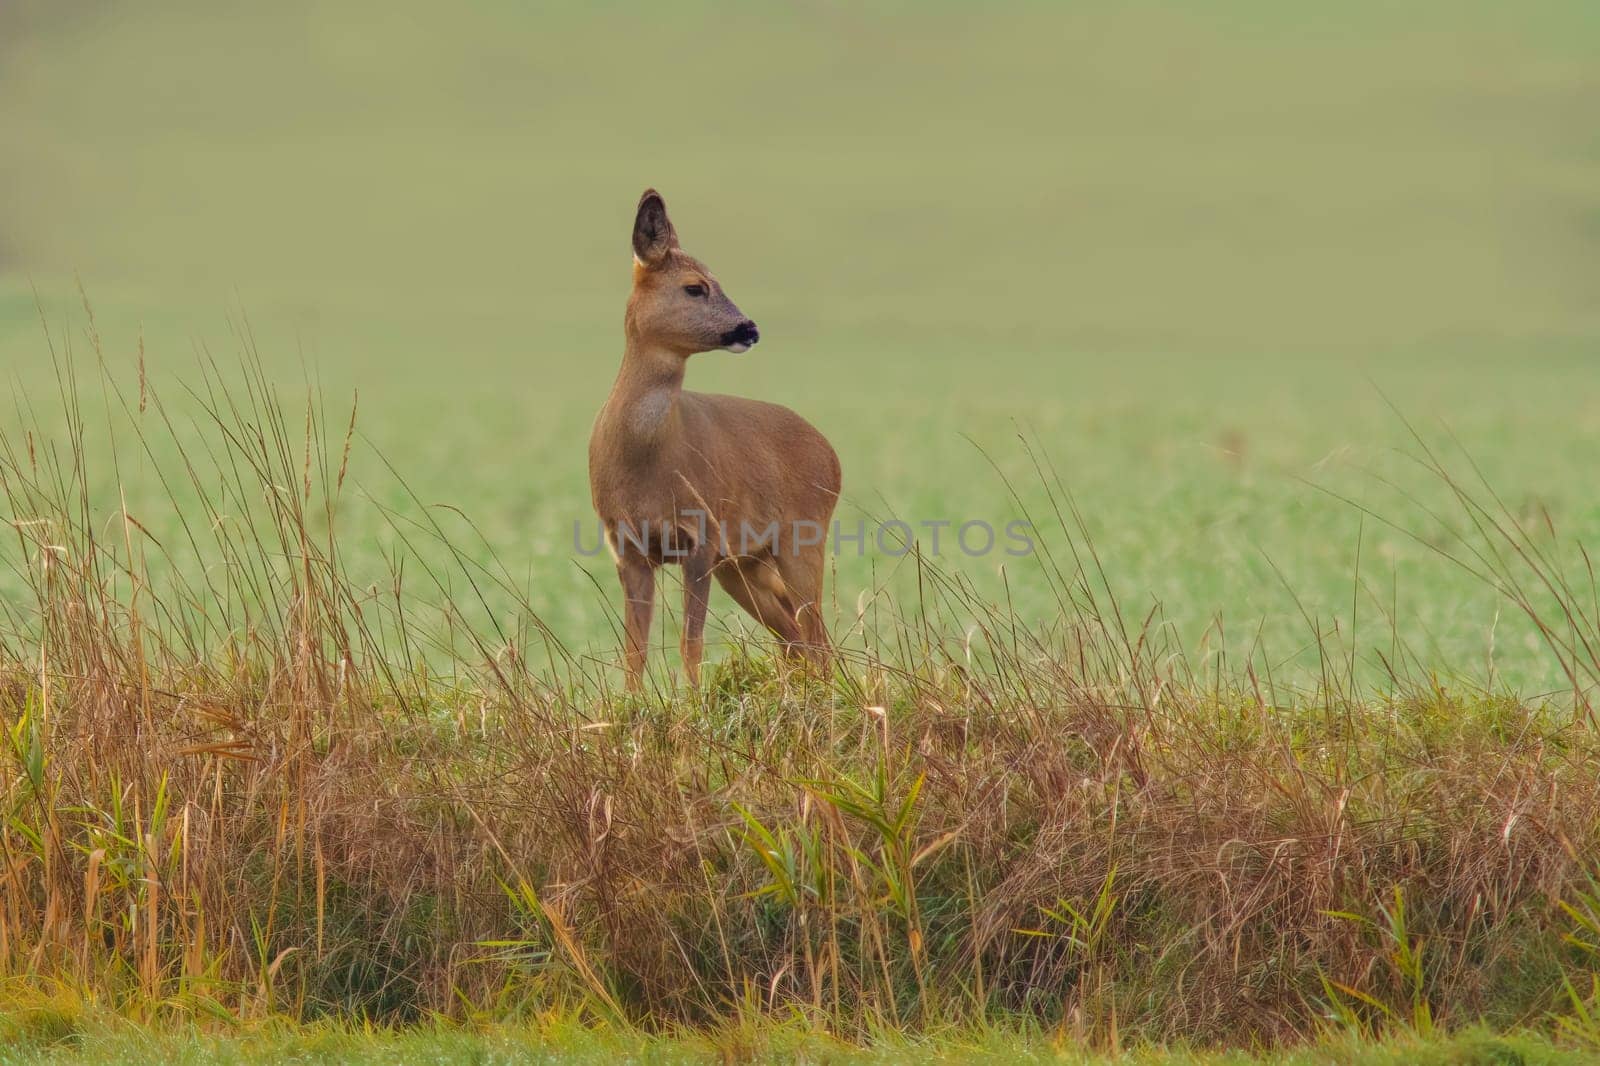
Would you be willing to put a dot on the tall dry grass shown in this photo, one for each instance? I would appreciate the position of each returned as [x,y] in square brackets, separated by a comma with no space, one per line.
[237,782]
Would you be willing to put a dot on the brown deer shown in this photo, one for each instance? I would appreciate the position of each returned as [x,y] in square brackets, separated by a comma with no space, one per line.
[731,488]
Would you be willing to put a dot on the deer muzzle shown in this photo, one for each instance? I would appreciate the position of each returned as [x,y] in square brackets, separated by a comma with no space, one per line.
[741,337]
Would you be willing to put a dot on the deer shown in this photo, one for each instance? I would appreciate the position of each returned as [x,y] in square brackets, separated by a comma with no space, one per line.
[730,488]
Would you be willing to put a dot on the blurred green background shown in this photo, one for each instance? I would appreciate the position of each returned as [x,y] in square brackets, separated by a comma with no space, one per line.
[1190,248]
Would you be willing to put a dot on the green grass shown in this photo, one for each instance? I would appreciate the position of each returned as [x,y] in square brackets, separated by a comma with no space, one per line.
[64,1040]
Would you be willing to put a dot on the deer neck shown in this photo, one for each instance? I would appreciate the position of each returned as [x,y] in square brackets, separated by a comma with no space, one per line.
[644,400]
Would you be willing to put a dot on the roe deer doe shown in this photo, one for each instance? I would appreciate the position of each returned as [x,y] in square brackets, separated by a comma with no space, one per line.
[731,488]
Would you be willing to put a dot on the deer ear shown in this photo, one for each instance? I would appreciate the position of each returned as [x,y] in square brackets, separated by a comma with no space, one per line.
[653,235]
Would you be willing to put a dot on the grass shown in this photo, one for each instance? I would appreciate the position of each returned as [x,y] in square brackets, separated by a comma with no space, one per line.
[558,1043]
[1276,329]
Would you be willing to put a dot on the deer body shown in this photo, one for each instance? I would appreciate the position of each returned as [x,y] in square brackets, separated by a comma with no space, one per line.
[730,488]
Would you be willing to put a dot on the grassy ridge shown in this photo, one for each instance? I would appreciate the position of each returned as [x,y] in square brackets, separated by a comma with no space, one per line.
[238,792]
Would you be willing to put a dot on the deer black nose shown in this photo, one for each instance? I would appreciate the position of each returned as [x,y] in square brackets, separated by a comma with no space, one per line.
[744,333]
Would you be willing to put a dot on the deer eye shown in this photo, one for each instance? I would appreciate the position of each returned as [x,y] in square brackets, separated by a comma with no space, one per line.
[695,290]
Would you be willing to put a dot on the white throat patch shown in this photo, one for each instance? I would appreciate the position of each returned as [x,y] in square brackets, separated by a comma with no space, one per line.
[650,411]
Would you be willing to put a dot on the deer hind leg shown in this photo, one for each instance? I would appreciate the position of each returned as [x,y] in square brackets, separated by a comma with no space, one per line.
[802,575]
[790,611]
[756,585]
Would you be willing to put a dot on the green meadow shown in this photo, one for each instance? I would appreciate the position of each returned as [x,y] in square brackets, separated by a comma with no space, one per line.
[1278,325]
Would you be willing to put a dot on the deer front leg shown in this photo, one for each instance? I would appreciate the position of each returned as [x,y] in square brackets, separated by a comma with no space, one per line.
[696,596]
[639,598]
